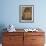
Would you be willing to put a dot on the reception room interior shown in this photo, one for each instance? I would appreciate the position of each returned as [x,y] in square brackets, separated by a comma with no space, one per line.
[12,12]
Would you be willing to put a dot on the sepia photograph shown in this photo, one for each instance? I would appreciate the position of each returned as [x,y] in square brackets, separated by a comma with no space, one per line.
[26,13]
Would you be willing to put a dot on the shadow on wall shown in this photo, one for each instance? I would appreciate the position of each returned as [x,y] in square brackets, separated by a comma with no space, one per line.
[2,26]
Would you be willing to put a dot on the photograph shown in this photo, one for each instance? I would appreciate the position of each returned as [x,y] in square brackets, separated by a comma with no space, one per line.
[26,13]
[22,23]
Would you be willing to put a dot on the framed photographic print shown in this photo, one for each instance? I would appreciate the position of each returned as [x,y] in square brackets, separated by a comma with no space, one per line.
[26,13]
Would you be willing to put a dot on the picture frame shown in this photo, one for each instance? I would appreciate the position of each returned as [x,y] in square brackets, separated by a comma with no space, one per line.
[26,13]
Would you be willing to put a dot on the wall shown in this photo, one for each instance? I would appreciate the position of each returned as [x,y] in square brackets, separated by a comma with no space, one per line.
[10,13]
